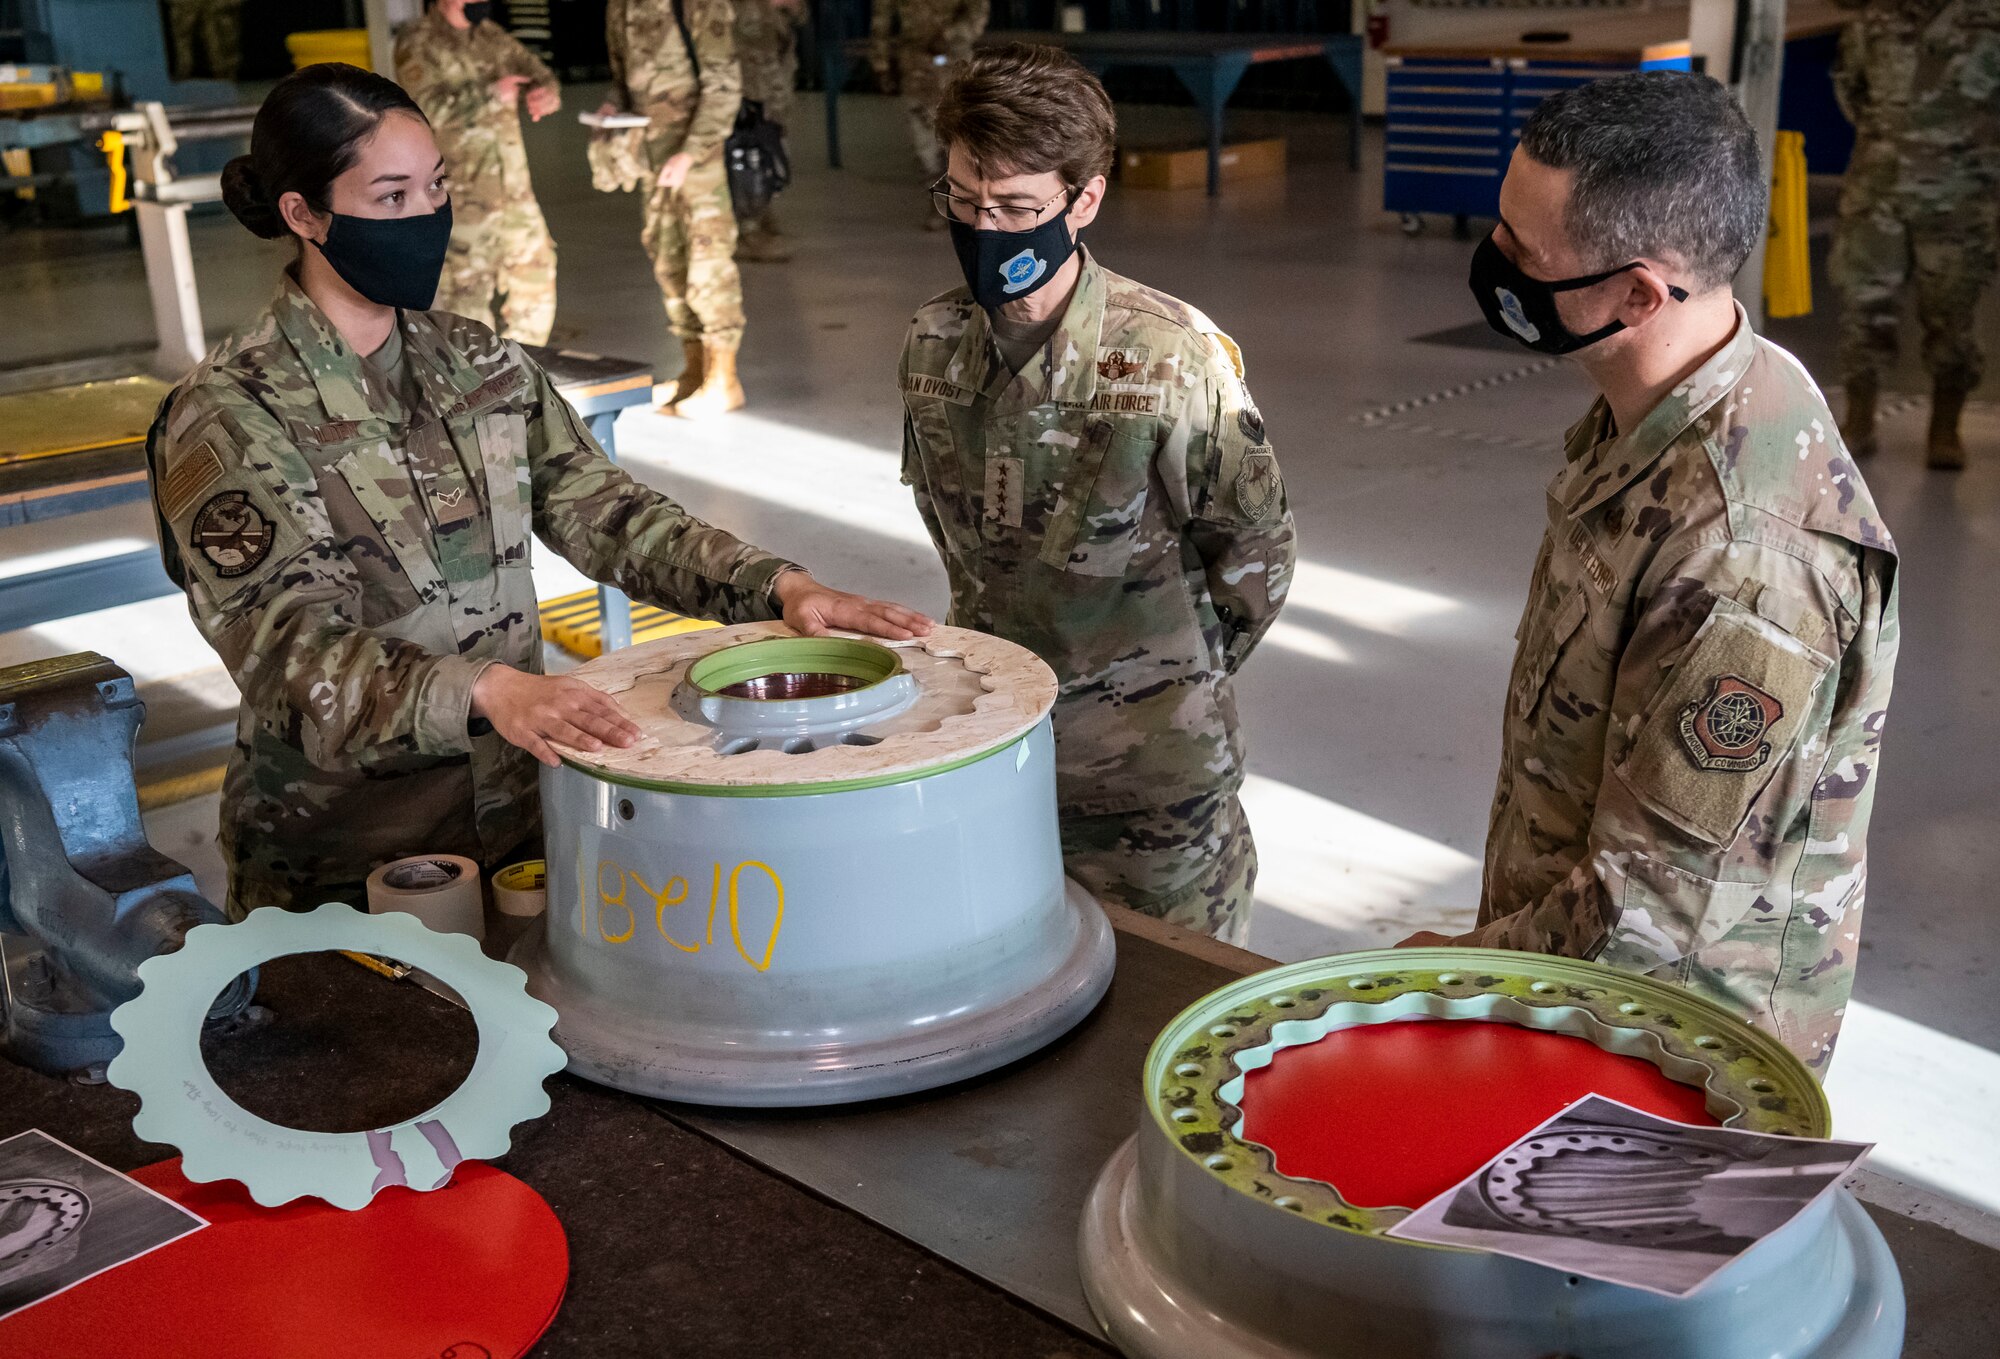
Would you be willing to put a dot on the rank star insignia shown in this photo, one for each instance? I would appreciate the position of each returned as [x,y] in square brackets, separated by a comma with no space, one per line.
[1726,731]
[230,533]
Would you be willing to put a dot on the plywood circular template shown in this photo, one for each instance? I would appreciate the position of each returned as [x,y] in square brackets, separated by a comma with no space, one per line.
[182,1106]
[964,695]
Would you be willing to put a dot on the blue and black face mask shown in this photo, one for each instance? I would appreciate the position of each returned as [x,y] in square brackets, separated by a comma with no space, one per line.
[1005,266]
[1524,308]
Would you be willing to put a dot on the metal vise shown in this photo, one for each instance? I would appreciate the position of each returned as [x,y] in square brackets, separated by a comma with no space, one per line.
[84,896]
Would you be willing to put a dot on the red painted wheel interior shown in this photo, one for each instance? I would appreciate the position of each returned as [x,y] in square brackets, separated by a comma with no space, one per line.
[475,1270]
[1395,1114]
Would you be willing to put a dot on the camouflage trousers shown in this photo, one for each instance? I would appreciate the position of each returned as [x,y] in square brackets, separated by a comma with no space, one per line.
[1193,864]
[922,79]
[501,271]
[219,22]
[1886,243]
[691,236]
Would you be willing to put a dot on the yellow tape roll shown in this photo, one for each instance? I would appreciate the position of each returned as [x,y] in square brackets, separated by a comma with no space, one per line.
[522,889]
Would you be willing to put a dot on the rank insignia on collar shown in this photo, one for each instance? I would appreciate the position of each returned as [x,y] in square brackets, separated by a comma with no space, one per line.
[1725,731]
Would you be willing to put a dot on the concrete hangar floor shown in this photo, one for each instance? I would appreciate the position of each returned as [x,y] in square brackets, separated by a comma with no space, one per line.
[1415,447]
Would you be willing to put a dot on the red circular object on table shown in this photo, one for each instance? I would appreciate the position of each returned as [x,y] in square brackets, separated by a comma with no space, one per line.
[1392,1115]
[475,1270]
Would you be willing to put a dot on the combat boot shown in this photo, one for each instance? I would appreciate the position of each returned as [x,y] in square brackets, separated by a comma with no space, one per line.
[666,395]
[720,389]
[1946,453]
[761,242]
[1857,426]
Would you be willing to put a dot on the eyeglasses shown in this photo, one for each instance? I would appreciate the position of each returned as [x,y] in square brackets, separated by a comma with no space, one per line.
[1005,217]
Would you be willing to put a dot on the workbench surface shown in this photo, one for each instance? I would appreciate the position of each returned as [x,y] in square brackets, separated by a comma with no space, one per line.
[934,1225]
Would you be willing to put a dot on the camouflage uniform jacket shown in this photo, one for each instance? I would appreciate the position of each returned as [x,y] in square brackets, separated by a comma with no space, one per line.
[1694,723]
[652,72]
[926,28]
[358,565]
[1920,81]
[1115,508]
[450,73]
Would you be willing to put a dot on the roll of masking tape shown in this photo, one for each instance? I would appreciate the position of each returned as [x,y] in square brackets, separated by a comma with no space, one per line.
[522,889]
[441,890]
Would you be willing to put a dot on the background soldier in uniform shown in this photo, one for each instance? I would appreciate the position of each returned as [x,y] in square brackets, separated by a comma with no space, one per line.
[1694,724]
[469,77]
[1920,81]
[767,48]
[681,72]
[219,24]
[913,45]
[1097,479]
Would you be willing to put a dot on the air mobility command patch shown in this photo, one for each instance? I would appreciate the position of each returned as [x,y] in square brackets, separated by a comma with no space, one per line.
[231,534]
[1727,730]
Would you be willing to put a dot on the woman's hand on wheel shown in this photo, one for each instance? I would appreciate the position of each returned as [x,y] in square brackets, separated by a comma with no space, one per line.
[534,711]
[812,608]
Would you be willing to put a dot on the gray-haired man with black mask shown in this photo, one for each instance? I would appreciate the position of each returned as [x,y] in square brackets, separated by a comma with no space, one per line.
[1694,722]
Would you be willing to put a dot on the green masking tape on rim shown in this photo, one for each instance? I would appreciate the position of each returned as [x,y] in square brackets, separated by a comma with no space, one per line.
[865,661]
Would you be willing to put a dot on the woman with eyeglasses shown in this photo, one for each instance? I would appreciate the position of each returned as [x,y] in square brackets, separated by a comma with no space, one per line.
[1099,483]
[347,489]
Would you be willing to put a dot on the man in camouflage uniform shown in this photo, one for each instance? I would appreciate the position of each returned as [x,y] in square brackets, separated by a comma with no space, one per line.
[354,539]
[219,24]
[682,73]
[469,78]
[1920,81]
[913,44]
[1693,726]
[1103,493]
[767,47]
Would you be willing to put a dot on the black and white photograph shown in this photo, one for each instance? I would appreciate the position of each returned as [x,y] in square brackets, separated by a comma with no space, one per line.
[65,1218]
[1614,1193]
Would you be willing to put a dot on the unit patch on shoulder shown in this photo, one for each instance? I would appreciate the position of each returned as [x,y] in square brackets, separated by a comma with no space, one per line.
[1726,731]
[1256,484]
[1117,365]
[231,534]
[187,477]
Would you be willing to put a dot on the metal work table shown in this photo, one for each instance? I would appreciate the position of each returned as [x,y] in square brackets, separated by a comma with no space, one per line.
[1210,65]
[938,1224]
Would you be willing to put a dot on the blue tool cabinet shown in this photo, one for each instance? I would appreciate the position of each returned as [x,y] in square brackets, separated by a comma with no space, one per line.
[1452,122]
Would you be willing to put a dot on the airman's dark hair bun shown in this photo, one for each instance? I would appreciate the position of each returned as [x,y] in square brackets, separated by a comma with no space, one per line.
[243,194]
[308,131]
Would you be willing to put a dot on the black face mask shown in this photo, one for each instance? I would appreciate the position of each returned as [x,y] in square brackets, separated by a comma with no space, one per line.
[391,261]
[1524,308]
[1005,266]
[478,12]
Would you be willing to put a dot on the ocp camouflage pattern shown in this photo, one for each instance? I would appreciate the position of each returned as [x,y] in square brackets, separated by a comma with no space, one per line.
[501,270]
[1920,80]
[690,232]
[1117,509]
[1694,723]
[913,44]
[767,49]
[372,561]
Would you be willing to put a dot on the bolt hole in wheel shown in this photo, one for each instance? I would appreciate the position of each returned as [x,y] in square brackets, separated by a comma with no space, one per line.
[626,811]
